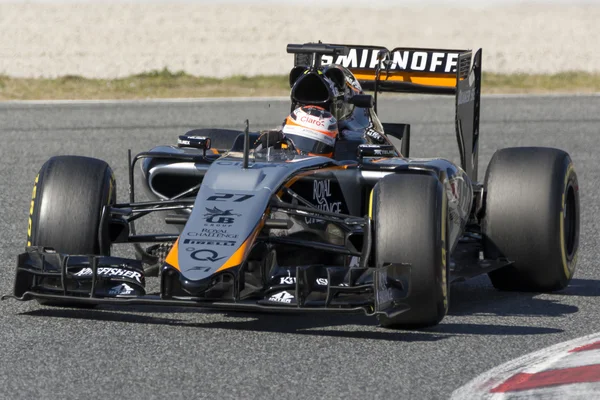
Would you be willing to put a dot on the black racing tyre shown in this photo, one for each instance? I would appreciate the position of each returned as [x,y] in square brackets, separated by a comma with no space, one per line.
[68,196]
[531,218]
[409,213]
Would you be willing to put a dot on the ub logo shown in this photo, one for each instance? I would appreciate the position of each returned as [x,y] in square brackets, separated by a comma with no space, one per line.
[216,217]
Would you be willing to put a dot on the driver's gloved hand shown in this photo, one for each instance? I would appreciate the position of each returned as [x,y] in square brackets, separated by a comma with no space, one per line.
[269,139]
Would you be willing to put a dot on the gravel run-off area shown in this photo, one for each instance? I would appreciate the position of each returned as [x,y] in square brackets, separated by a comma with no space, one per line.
[111,40]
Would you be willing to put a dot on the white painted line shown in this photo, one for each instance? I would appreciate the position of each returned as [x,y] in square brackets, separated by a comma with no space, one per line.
[278,99]
[141,101]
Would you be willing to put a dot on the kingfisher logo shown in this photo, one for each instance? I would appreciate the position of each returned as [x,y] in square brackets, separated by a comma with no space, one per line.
[217,217]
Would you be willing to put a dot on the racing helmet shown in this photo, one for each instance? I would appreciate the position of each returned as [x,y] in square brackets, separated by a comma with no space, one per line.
[312,129]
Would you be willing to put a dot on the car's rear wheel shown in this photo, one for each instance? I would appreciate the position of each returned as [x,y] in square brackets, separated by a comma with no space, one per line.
[410,227]
[532,218]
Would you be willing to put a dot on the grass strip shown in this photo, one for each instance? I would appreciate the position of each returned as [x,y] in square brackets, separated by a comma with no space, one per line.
[168,84]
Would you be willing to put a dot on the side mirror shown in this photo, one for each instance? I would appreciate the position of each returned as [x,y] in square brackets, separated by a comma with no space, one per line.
[362,100]
[376,150]
[196,142]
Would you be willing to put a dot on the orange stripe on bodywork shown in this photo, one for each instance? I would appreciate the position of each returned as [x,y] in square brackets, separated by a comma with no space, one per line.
[419,78]
[240,254]
[172,257]
[295,178]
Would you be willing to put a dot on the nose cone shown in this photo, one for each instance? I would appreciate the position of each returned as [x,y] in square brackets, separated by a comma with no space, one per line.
[312,88]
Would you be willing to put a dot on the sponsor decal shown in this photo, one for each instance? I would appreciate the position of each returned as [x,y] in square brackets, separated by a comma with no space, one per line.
[399,60]
[111,272]
[384,152]
[199,142]
[376,136]
[213,233]
[220,218]
[287,280]
[206,255]
[123,288]
[369,150]
[282,297]
[322,196]
[291,280]
[313,121]
[209,242]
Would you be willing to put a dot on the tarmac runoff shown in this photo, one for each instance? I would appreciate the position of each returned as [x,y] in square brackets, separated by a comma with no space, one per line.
[568,370]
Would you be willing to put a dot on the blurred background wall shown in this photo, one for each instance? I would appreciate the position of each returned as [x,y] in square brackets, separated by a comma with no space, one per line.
[226,37]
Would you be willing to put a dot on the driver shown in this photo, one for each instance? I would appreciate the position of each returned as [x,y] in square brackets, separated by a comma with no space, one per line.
[312,130]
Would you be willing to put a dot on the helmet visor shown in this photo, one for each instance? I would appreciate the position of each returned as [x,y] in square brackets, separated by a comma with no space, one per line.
[308,145]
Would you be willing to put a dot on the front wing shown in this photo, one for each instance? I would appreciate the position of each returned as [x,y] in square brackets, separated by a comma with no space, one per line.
[50,277]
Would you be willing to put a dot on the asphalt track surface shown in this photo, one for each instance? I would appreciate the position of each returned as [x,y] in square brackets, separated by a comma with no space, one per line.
[178,353]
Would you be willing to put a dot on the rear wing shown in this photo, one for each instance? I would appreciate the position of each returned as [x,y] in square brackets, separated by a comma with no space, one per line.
[412,70]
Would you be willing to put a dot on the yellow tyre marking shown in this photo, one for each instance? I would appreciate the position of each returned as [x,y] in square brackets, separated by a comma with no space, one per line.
[563,251]
[31,209]
[371,204]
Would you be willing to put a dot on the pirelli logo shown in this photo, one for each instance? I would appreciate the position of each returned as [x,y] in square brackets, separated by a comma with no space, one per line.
[210,242]
[411,60]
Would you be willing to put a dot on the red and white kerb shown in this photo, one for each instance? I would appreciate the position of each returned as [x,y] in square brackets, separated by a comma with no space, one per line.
[568,370]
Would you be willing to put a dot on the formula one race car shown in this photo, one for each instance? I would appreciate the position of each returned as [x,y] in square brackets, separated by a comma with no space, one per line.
[260,222]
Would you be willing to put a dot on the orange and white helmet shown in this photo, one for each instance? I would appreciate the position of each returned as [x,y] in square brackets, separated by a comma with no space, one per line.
[312,129]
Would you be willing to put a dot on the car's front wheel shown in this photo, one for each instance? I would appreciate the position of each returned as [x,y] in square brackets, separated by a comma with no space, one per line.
[410,227]
[69,194]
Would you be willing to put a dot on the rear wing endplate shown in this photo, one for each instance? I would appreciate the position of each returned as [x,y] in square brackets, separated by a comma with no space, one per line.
[413,70]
